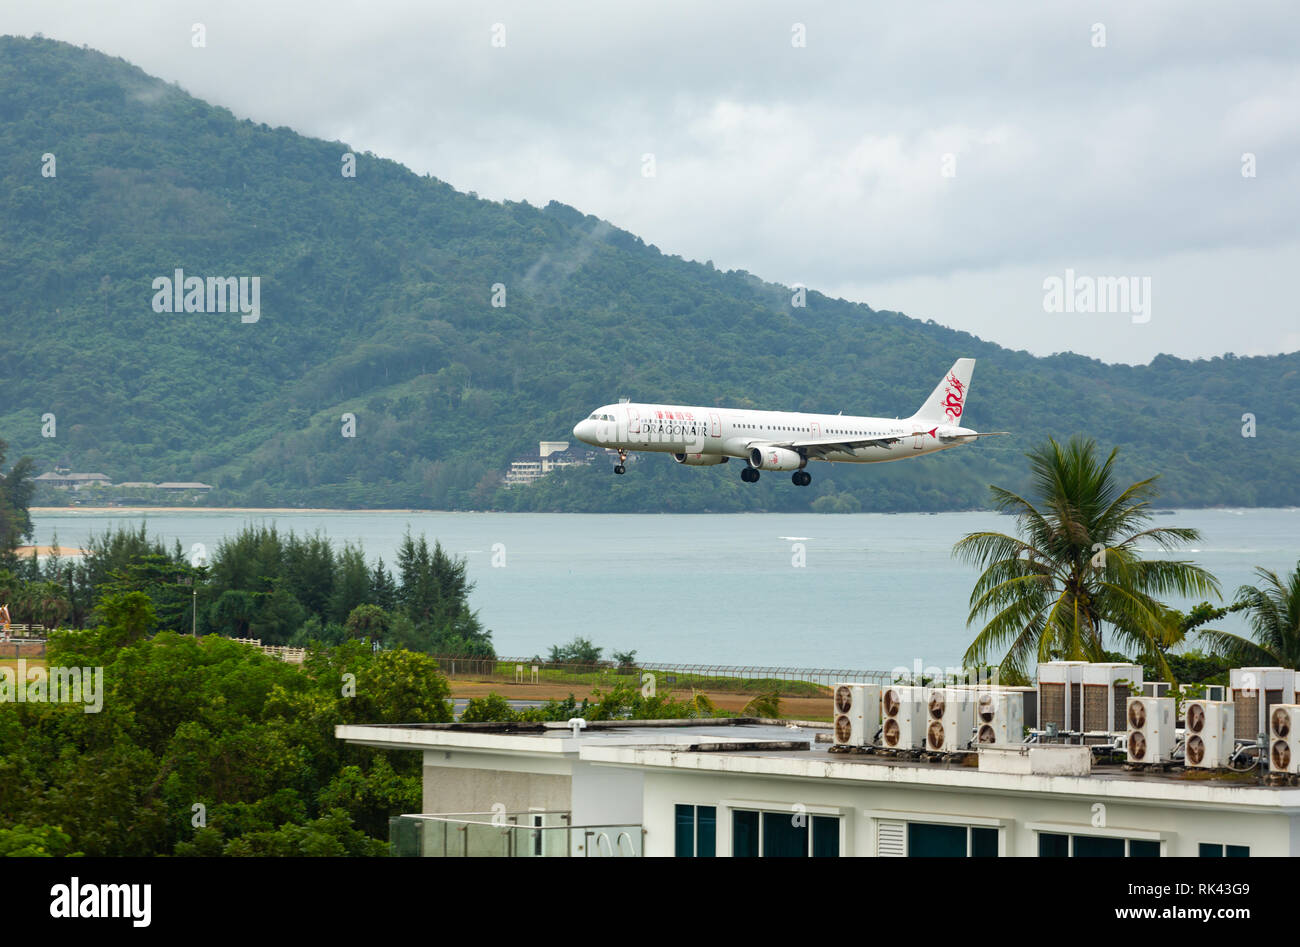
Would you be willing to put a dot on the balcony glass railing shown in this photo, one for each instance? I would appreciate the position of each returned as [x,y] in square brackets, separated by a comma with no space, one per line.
[509,835]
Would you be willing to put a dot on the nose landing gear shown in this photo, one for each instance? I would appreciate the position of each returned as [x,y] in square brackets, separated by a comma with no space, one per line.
[620,468]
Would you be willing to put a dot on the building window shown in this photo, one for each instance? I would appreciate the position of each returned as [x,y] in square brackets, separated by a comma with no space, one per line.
[696,831]
[936,840]
[1058,845]
[825,837]
[784,835]
[1215,850]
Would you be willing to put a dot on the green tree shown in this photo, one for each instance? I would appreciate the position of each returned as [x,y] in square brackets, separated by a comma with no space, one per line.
[1273,613]
[15,497]
[578,651]
[127,617]
[434,595]
[39,841]
[492,707]
[1074,574]
[368,621]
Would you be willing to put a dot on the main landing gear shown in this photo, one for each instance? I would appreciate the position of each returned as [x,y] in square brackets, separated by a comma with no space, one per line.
[619,467]
[800,478]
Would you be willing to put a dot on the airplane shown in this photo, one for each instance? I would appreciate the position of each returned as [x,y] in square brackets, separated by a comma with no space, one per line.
[783,440]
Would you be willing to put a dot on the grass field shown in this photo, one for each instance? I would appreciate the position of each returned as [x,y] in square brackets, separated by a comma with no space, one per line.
[605,678]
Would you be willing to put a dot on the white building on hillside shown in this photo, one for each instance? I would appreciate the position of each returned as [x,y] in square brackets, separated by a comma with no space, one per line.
[552,455]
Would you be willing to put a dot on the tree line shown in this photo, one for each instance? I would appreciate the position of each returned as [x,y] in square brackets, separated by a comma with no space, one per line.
[284,589]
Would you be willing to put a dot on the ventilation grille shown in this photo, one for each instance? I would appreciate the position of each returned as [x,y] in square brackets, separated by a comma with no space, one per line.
[891,839]
[1247,714]
[1122,693]
[1053,709]
[1095,716]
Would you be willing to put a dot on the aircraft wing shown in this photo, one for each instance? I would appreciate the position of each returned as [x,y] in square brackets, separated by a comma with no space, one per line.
[824,446]
[831,445]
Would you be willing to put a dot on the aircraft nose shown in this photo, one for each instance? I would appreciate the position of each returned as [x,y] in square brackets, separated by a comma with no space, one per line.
[582,429]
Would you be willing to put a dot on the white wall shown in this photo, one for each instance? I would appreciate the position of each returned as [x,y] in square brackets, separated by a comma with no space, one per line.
[1180,828]
[468,781]
[606,795]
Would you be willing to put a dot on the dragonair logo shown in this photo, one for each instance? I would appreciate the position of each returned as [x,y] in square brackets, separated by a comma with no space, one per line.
[955,393]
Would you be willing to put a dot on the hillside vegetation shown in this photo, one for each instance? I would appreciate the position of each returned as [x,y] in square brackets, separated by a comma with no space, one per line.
[376,298]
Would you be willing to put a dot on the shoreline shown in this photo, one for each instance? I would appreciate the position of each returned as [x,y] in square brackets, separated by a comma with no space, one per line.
[289,510]
[221,509]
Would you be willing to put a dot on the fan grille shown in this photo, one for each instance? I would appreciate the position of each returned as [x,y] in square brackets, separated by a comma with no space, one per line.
[1280,721]
[891,732]
[843,698]
[1137,746]
[1281,755]
[843,730]
[890,703]
[936,706]
[1137,715]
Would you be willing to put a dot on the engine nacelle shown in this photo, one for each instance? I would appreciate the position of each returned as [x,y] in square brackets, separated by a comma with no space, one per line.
[775,458]
[700,460]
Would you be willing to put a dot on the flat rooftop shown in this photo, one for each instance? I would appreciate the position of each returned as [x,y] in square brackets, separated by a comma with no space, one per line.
[792,750]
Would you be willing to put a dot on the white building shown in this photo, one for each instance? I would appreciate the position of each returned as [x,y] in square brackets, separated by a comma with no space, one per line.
[725,788]
[552,455]
[66,480]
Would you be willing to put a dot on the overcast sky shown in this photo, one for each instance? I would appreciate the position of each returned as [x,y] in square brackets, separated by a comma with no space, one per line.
[943,160]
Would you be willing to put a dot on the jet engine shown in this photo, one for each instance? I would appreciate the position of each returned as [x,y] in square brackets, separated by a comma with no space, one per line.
[775,458]
[700,460]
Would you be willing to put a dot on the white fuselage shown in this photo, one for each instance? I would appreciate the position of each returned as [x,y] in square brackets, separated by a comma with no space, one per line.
[732,432]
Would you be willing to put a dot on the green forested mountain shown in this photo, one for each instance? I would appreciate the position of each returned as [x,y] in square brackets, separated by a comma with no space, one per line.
[376,301]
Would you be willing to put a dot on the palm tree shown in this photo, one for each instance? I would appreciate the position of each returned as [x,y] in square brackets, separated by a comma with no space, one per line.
[1273,614]
[1074,568]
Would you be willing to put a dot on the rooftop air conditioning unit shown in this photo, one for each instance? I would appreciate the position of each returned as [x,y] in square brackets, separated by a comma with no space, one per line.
[999,717]
[1150,729]
[1284,738]
[857,714]
[1254,692]
[1106,689]
[951,716]
[1059,694]
[904,711]
[1209,735]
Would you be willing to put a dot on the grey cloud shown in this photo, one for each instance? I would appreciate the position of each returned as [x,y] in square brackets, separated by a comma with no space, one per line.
[819,165]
